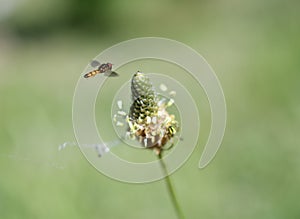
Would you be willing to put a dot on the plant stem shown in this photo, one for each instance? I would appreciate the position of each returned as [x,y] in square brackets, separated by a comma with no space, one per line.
[170,188]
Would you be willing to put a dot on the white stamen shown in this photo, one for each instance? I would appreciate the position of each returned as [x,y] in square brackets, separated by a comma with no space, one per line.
[160,102]
[120,104]
[170,103]
[122,113]
[161,134]
[163,87]
[167,120]
[115,118]
[154,119]
[120,123]
[172,93]
[127,118]
[130,125]
[148,119]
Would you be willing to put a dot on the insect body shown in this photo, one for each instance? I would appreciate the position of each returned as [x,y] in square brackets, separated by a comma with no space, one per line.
[103,68]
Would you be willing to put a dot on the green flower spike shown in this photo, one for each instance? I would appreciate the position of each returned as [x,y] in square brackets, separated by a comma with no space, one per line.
[149,120]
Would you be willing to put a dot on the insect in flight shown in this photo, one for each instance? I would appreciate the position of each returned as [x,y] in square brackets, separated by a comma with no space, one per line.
[105,68]
[101,149]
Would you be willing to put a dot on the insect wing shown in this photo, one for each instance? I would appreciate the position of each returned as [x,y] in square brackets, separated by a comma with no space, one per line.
[95,63]
[111,74]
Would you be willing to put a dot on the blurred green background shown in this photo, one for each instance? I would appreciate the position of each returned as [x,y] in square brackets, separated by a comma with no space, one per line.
[254,48]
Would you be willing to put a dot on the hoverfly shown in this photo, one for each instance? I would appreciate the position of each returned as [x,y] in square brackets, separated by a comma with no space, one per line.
[105,68]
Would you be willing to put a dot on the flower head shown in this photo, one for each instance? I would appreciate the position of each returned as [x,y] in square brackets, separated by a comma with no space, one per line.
[148,119]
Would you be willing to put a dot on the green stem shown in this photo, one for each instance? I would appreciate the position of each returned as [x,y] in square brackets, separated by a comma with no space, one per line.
[171,191]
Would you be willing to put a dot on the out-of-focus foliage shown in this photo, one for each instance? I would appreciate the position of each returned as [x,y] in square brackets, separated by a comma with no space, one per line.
[33,17]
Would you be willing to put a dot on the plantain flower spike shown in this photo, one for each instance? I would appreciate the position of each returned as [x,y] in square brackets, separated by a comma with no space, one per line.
[149,121]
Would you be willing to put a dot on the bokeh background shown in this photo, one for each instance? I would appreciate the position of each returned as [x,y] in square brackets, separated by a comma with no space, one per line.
[254,48]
